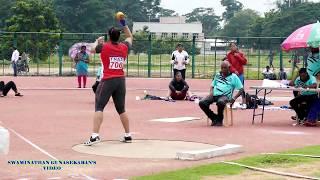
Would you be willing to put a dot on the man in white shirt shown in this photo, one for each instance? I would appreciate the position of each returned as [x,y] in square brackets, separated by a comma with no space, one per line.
[268,73]
[14,60]
[180,59]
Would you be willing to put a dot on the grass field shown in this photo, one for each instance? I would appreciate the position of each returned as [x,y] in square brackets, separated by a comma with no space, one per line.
[225,170]
[137,66]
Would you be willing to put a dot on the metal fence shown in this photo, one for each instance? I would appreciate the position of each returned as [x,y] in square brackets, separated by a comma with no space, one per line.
[48,54]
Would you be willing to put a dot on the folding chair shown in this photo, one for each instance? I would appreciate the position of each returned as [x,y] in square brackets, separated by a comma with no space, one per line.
[226,121]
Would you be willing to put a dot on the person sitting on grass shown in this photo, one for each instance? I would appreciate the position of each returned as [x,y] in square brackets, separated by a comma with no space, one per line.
[302,102]
[178,88]
[282,74]
[221,92]
[5,88]
[268,73]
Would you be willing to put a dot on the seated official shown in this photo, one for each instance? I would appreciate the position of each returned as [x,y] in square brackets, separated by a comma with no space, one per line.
[282,74]
[268,73]
[178,88]
[302,102]
[221,92]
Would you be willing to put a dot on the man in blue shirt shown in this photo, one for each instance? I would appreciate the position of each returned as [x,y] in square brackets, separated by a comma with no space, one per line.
[221,92]
[303,81]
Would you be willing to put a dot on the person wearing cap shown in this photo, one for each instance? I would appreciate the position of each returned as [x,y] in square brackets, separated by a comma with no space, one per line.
[180,59]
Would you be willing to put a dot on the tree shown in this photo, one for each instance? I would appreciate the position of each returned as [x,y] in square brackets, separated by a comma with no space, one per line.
[207,17]
[84,16]
[239,25]
[5,11]
[166,12]
[141,41]
[158,45]
[286,4]
[33,16]
[283,23]
[167,46]
[150,8]
[98,15]
[256,27]
[232,7]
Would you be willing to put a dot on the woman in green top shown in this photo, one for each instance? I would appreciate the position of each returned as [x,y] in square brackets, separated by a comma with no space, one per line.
[303,81]
[82,60]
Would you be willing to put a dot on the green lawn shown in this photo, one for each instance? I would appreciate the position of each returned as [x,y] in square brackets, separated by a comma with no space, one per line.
[205,65]
[220,169]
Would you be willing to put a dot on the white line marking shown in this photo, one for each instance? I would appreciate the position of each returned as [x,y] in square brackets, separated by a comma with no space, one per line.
[289,132]
[178,119]
[43,151]
[53,178]
[88,177]
[33,145]
[271,171]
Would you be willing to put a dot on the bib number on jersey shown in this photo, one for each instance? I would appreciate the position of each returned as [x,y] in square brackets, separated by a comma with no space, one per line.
[116,63]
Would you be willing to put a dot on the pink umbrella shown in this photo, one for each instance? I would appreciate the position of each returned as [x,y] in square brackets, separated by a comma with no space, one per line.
[77,47]
[306,36]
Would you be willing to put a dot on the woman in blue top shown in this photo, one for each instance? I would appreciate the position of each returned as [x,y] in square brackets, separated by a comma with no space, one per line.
[82,59]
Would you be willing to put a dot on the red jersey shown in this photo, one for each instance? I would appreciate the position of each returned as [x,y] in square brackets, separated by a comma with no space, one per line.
[113,57]
[236,60]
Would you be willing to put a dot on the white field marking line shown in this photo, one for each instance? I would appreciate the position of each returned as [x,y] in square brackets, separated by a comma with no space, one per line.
[88,177]
[41,88]
[300,155]
[42,150]
[129,89]
[32,144]
[271,171]
[287,132]
[53,178]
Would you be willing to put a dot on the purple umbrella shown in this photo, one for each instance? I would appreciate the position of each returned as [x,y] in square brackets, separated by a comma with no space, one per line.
[76,48]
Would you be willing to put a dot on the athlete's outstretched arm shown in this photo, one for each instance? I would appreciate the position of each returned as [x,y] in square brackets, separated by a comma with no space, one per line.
[128,35]
[126,30]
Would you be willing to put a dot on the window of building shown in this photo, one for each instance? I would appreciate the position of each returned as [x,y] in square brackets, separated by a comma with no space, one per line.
[174,35]
[185,35]
[196,35]
[153,35]
[164,35]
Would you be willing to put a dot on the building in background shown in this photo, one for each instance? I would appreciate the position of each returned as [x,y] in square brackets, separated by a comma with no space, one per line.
[172,27]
